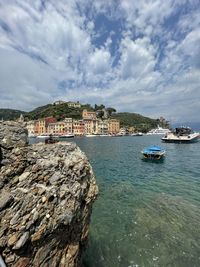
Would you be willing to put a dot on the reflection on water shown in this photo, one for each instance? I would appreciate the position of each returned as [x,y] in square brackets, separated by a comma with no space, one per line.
[146,214]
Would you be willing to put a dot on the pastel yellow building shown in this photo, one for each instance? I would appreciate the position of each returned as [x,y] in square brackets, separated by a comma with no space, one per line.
[91,126]
[113,126]
[56,128]
[68,125]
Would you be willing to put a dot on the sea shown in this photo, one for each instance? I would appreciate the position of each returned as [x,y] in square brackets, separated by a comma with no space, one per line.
[147,214]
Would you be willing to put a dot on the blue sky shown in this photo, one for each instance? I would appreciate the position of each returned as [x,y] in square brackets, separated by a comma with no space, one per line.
[137,56]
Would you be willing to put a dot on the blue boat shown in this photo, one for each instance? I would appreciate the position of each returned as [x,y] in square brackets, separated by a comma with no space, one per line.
[153,153]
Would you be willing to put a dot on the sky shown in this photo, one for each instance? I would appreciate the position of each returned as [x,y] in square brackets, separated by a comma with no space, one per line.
[138,56]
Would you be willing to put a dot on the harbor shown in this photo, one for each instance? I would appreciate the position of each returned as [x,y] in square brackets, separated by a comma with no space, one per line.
[100,133]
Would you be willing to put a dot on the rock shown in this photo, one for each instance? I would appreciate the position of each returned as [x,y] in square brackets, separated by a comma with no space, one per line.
[10,259]
[23,176]
[44,199]
[49,190]
[65,218]
[54,178]
[13,134]
[12,240]
[15,218]
[23,262]
[5,200]
[20,243]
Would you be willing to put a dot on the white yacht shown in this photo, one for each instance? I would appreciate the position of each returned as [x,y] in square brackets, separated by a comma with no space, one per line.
[181,135]
[159,130]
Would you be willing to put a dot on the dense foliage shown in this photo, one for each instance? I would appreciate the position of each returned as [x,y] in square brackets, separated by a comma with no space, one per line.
[59,112]
[138,121]
[10,114]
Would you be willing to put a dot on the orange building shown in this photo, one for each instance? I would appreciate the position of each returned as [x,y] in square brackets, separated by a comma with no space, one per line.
[78,127]
[89,115]
[41,125]
[113,126]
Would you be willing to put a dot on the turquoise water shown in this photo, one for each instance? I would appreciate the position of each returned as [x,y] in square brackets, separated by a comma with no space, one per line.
[147,214]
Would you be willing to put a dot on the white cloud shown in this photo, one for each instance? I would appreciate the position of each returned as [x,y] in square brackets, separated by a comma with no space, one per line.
[138,57]
[190,48]
[147,16]
[50,51]
[99,61]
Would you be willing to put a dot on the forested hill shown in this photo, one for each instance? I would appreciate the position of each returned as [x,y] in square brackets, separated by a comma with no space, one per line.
[10,114]
[58,111]
[133,119]
[62,111]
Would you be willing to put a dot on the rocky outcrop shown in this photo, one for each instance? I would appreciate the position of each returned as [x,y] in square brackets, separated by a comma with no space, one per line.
[46,196]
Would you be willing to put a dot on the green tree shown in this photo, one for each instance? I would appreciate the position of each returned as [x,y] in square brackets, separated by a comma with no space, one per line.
[110,111]
[98,107]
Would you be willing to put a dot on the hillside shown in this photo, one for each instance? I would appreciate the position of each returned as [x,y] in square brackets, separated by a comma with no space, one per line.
[62,111]
[10,114]
[140,122]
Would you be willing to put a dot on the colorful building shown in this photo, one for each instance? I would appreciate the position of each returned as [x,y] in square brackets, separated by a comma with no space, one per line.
[74,104]
[56,128]
[91,126]
[30,127]
[78,127]
[113,126]
[68,125]
[59,102]
[103,127]
[89,115]
[41,125]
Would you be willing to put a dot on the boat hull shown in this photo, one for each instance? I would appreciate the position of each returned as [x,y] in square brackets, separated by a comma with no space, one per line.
[180,141]
[153,157]
[42,136]
[66,136]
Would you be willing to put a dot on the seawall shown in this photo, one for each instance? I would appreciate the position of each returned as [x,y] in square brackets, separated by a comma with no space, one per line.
[46,197]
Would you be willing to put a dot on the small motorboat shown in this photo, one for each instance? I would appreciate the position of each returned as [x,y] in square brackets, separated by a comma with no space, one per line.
[51,139]
[153,153]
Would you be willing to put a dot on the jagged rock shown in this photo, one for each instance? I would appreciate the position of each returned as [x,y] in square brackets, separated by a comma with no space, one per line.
[23,239]
[49,190]
[5,200]
[13,134]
